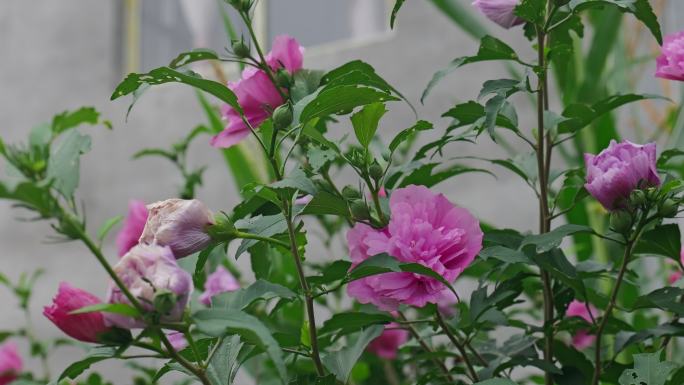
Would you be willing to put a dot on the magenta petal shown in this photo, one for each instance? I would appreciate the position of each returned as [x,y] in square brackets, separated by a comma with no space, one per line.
[286,52]
[11,363]
[386,345]
[132,227]
[670,63]
[500,11]
[220,281]
[83,327]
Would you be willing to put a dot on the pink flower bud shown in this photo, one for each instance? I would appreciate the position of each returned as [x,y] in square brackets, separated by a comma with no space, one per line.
[10,363]
[147,270]
[424,228]
[387,344]
[582,339]
[620,169]
[179,224]
[86,327]
[132,228]
[220,281]
[670,63]
[500,11]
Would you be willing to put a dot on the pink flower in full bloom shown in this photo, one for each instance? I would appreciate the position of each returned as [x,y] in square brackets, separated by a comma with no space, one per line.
[256,94]
[500,11]
[147,270]
[670,63]
[220,281]
[386,344]
[179,224]
[618,170]
[582,339]
[11,363]
[132,228]
[424,228]
[86,327]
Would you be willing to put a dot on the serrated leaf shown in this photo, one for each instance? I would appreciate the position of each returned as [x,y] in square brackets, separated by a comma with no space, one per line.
[224,364]
[70,119]
[296,180]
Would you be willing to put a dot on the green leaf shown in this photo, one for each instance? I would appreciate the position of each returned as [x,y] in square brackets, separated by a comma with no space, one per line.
[349,322]
[395,10]
[260,290]
[265,226]
[341,362]
[324,203]
[64,163]
[474,113]
[160,152]
[195,55]
[163,75]
[358,72]
[641,9]
[648,370]
[224,364]
[296,180]
[426,175]
[581,115]
[666,298]
[320,158]
[663,240]
[553,239]
[491,48]
[531,11]
[95,355]
[70,119]
[408,133]
[115,308]
[385,263]
[220,322]
[108,226]
[504,254]
[305,83]
[341,100]
[199,276]
[366,121]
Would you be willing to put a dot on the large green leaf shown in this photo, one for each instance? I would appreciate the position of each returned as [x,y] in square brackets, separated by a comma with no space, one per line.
[224,364]
[324,203]
[265,226]
[70,119]
[553,239]
[222,322]
[163,75]
[64,163]
[648,370]
[259,290]
[491,48]
[193,56]
[641,9]
[348,322]
[365,122]
[663,240]
[341,362]
[342,99]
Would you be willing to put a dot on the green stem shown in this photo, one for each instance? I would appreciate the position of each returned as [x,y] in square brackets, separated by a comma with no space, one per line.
[257,237]
[198,372]
[611,304]
[459,346]
[426,347]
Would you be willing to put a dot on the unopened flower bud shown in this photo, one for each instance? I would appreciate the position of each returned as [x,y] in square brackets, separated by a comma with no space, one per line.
[282,116]
[376,171]
[240,49]
[86,327]
[637,197]
[350,193]
[668,208]
[621,221]
[283,78]
[360,210]
[179,224]
[164,302]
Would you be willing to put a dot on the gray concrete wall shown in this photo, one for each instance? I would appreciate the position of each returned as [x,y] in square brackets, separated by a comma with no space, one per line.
[59,55]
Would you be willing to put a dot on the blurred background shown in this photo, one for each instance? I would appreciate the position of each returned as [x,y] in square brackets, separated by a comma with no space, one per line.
[60,55]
